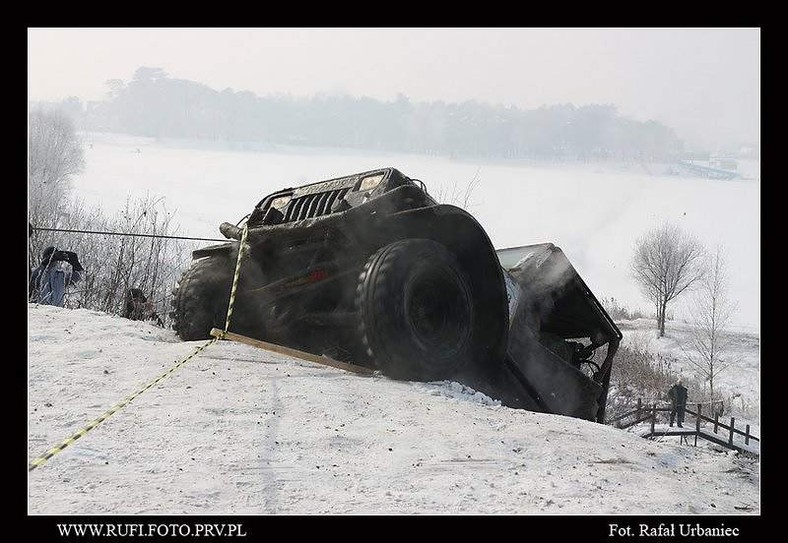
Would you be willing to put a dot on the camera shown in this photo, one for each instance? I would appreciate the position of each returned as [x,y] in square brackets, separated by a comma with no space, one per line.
[53,255]
[63,256]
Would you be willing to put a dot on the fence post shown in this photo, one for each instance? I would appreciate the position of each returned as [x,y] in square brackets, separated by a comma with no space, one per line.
[716,421]
[747,435]
[697,425]
[730,438]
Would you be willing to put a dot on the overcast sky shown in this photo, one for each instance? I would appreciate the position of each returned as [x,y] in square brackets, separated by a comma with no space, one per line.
[705,83]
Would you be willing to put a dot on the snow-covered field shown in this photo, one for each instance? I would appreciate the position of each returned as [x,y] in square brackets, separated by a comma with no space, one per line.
[594,212]
[239,430]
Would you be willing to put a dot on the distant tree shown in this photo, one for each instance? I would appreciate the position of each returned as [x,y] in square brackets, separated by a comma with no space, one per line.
[708,349]
[658,142]
[592,131]
[73,108]
[667,262]
[619,311]
[116,87]
[55,155]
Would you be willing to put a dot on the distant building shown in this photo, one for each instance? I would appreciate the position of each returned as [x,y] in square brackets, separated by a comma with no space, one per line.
[748,151]
[724,163]
[695,156]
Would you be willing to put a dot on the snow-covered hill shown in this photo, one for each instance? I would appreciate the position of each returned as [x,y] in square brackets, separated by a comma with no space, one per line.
[239,430]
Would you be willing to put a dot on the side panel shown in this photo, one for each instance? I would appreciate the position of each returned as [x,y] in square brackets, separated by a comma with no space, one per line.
[555,386]
[223,248]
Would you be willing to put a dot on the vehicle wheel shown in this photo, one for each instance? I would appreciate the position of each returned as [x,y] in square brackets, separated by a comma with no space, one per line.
[416,311]
[201,298]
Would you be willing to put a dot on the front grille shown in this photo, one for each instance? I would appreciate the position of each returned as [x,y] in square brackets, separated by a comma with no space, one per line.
[313,205]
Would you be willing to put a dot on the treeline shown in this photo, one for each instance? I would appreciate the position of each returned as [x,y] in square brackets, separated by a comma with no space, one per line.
[155,105]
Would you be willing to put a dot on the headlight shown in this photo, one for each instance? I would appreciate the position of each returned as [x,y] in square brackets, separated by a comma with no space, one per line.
[369,183]
[281,202]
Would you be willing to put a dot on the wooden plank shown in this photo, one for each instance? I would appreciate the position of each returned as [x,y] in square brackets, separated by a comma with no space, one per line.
[720,424]
[281,349]
[701,416]
[649,414]
[704,434]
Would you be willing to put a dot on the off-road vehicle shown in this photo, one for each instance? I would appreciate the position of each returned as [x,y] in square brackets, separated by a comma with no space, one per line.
[370,269]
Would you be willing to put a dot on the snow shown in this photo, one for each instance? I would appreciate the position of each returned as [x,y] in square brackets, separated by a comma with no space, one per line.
[240,430]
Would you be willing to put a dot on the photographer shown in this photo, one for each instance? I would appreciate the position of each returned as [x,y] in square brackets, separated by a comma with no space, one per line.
[58,270]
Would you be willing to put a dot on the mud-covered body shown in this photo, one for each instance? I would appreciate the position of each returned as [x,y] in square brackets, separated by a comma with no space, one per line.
[561,340]
[349,267]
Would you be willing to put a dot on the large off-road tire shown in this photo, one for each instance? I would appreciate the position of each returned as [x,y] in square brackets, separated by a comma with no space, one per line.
[416,311]
[201,298]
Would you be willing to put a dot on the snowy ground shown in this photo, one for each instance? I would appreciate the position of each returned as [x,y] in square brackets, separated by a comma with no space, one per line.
[238,430]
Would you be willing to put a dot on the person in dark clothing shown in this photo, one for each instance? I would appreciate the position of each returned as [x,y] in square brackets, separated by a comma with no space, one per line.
[678,400]
[57,271]
[138,308]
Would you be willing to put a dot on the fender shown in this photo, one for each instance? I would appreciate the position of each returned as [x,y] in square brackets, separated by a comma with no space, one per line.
[228,249]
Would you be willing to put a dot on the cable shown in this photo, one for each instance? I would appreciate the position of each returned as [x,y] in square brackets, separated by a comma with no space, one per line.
[123,234]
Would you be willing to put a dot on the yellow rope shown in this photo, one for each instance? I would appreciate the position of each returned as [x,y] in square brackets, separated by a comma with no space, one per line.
[128,399]
[112,410]
[241,249]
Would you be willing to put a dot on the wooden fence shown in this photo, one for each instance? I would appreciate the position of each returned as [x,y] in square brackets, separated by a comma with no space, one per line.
[649,414]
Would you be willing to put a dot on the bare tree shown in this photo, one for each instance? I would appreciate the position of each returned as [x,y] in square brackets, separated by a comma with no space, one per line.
[461,198]
[708,349]
[667,262]
[55,155]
